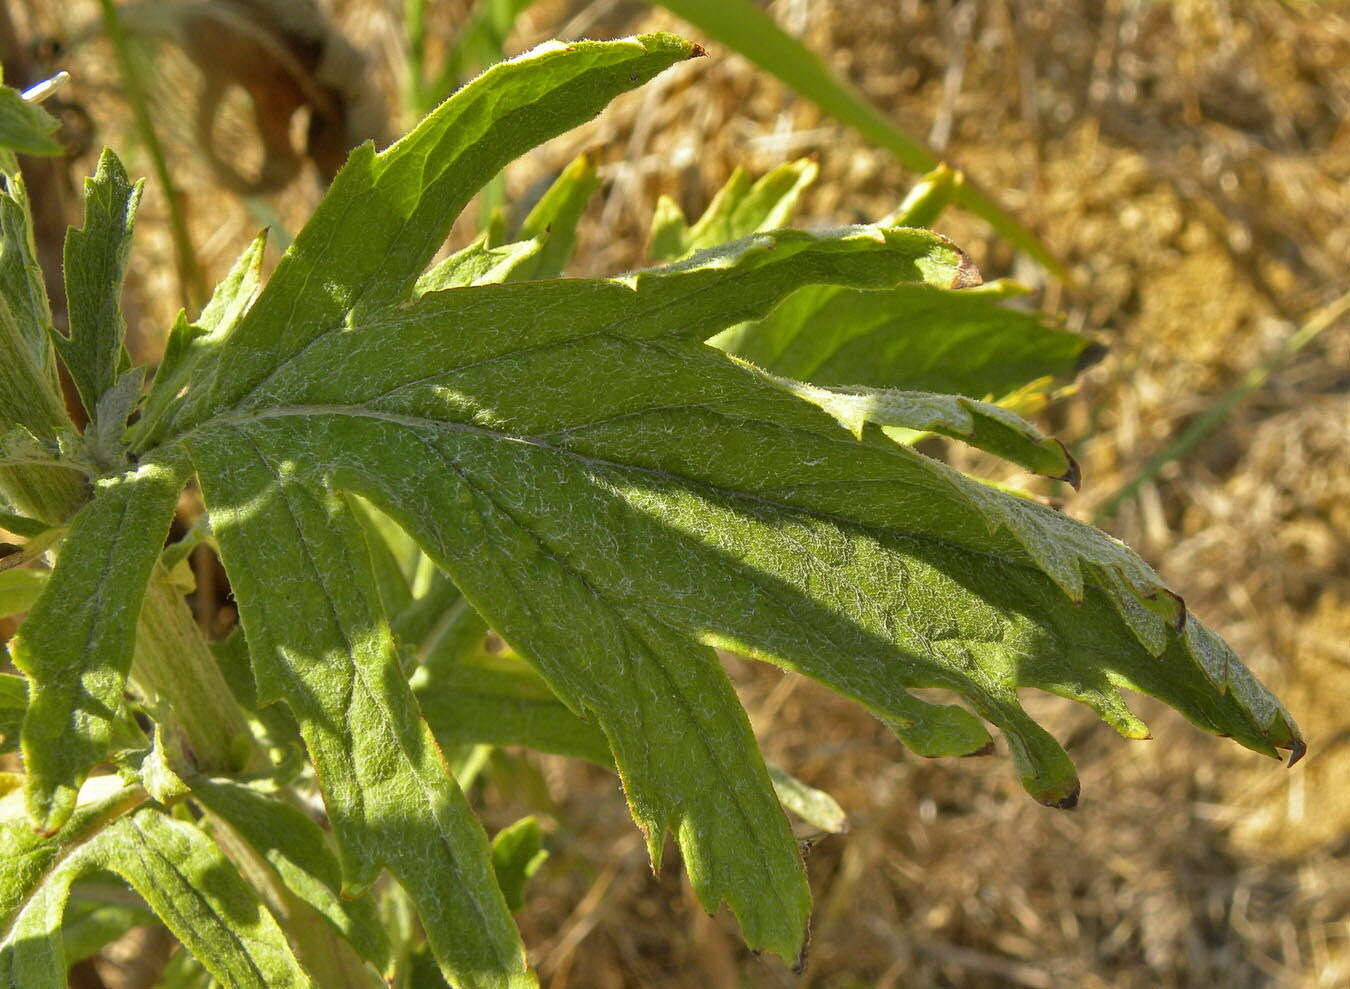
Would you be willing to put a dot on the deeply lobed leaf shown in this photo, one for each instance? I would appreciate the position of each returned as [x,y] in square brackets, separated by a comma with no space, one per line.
[616,498]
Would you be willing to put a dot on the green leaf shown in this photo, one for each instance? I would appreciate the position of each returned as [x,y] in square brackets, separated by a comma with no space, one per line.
[901,413]
[740,25]
[19,588]
[318,640]
[801,469]
[95,265]
[517,853]
[553,220]
[815,807]
[191,345]
[501,700]
[982,347]
[76,643]
[548,232]
[25,127]
[298,850]
[913,337]
[386,214]
[232,656]
[739,209]
[89,925]
[735,837]
[21,525]
[180,873]
[479,264]
[29,394]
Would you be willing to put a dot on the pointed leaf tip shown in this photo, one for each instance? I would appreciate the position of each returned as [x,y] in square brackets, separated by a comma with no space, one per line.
[1073,475]
[967,273]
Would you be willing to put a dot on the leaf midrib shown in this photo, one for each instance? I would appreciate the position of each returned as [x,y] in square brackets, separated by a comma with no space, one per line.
[243,419]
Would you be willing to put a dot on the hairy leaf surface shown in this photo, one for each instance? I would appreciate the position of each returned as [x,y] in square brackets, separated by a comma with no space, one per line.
[318,638]
[76,644]
[95,264]
[901,413]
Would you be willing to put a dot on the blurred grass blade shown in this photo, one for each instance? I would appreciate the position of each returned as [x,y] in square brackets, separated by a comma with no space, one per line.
[479,43]
[1213,417]
[190,281]
[740,25]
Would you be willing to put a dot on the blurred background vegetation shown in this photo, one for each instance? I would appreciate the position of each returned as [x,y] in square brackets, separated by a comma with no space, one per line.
[1187,162]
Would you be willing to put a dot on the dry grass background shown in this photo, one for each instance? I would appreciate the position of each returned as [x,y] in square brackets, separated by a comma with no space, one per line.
[1191,162]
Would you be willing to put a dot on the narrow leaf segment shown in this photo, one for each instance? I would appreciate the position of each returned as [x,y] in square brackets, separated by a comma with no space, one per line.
[95,264]
[76,644]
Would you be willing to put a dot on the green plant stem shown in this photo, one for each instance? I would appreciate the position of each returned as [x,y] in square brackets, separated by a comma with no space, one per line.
[1202,425]
[172,661]
[192,286]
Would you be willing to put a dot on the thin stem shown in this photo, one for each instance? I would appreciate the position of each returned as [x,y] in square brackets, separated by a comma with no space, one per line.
[1206,423]
[192,286]
[172,661]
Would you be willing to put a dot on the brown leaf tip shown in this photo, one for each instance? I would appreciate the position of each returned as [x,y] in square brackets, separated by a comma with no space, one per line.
[1091,355]
[967,274]
[1067,802]
[698,51]
[986,749]
[1073,476]
[1297,750]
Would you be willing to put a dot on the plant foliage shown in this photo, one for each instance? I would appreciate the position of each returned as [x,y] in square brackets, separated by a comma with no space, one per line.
[610,494]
